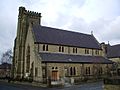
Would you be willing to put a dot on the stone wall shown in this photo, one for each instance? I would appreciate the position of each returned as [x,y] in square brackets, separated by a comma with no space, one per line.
[79,68]
[35,61]
[68,50]
[111,87]
[24,19]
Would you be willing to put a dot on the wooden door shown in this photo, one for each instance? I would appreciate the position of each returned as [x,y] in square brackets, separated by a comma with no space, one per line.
[55,75]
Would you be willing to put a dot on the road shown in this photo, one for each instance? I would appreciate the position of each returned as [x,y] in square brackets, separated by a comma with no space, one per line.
[90,86]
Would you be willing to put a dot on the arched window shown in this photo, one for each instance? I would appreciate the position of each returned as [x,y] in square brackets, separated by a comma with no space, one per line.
[73,50]
[59,48]
[87,70]
[52,67]
[70,70]
[62,49]
[76,50]
[66,71]
[36,71]
[100,71]
[43,47]
[86,51]
[97,52]
[56,67]
[74,71]
[46,47]
[31,70]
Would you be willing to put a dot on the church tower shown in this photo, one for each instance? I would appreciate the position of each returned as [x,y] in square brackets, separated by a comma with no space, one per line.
[25,18]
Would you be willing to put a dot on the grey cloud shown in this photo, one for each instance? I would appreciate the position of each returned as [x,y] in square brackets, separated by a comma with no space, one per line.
[8,18]
[79,24]
[103,29]
[71,23]
[76,3]
[107,30]
[61,20]
[113,29]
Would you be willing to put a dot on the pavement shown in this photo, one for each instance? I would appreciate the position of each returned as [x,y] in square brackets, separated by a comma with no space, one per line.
[26,83]
[4,85]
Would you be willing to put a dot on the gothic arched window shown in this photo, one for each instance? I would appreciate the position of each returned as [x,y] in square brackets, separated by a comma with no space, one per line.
[28,59]
[70,70]
[43,47]
[74,71]
[46,47]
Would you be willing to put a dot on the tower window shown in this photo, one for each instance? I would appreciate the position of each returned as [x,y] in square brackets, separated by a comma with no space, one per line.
[28,59]
[36,72]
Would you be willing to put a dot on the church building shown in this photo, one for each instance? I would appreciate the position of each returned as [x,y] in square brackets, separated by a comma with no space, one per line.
[113,53]
[46,53]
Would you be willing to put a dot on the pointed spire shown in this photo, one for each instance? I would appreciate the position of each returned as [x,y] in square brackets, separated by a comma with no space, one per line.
[108,43]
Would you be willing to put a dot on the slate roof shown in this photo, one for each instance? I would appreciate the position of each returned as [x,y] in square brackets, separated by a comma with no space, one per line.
[48,35]
[67,58]
[5,66]
[113,51]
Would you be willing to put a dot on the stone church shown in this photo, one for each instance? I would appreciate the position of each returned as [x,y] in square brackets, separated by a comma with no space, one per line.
[46,53]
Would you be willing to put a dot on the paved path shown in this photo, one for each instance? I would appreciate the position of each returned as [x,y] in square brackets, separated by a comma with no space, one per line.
[90,86]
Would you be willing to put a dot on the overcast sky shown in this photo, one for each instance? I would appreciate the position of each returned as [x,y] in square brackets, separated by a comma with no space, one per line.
[100,16]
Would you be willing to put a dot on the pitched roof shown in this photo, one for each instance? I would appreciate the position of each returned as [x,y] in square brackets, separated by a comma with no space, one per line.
[55,36]
[5,66]
[67,58]
[113,51]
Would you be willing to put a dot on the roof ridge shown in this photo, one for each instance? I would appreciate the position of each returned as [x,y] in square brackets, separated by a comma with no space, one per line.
[65,30]
[66,58]
[45,34]
[115,45]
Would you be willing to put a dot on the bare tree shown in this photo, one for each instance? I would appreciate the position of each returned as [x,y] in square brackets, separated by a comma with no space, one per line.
[7,56]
